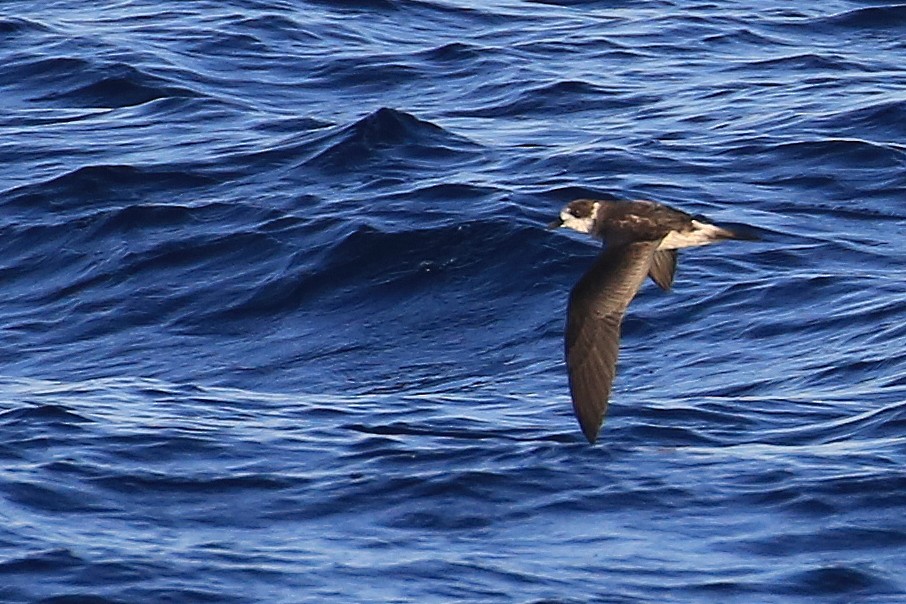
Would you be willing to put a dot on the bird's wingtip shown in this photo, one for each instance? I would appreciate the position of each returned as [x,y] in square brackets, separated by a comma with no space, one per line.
[590,432]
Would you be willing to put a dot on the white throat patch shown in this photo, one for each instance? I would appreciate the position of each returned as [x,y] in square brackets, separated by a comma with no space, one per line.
[585,224]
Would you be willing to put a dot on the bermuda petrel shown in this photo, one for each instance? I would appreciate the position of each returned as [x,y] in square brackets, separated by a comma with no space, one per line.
[640,238]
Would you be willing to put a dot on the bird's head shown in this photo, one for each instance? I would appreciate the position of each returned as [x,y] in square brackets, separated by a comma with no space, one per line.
[578,215]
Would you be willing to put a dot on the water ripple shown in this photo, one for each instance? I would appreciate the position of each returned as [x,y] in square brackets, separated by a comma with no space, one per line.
[281,320]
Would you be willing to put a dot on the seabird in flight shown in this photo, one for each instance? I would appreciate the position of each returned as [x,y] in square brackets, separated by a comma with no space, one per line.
[641,238]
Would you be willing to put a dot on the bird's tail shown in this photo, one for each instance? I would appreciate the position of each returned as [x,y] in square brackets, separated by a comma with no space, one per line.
[738,232]
[703,233]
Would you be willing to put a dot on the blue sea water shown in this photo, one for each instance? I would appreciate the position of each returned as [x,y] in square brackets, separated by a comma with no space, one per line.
[281,321]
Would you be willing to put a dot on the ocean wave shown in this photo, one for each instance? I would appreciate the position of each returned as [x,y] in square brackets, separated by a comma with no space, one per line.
[454,53]
[864,152]
[389,134]
[91,182]
[281,320]
[746,36]
[76,82]
[365,262]
[892,16]
[13,26]
[772,156]
[359,5]
[827,61]
[838,579]
[884,120]
[565,96]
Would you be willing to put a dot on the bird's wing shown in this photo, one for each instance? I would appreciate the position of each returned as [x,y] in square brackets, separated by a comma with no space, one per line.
[596,307]
[663,267]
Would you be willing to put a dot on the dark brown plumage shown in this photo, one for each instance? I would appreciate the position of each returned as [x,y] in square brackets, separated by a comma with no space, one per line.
[595,313]
[641,239]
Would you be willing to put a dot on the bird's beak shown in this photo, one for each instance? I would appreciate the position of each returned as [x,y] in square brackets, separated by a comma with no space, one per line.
[555,224]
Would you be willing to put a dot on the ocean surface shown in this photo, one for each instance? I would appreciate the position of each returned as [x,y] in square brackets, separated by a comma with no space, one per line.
[281,321]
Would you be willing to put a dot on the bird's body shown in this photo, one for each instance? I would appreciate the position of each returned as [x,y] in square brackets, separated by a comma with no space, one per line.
[641,238]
